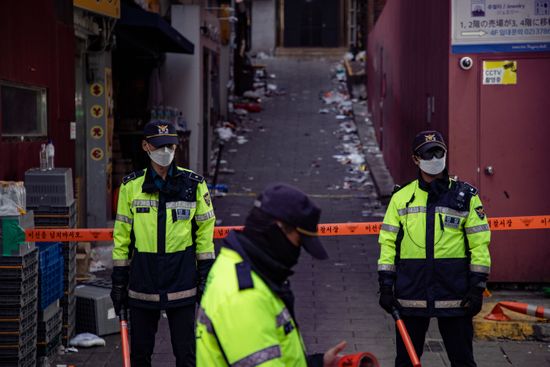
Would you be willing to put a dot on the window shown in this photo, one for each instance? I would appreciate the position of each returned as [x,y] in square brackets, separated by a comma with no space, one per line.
[23,110]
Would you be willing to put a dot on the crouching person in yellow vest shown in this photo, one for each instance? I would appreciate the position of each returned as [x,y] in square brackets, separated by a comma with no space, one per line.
[163,248]
[246,317]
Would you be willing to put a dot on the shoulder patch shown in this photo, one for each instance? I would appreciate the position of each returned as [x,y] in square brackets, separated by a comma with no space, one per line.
[195,177]
[132,176]
[480,212]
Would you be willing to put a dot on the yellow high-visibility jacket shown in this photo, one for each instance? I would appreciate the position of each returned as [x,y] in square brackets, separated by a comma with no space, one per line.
[242,322]
[434,247]
[165,236]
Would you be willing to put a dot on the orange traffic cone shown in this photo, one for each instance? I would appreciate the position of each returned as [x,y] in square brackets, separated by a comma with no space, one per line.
[497,314]
[527,309]
[524,308]
[358,360]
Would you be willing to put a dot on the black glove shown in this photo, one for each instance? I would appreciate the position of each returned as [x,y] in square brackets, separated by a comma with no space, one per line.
[387,300]
[473,300]
[119,296]
[203,268]
[119,290]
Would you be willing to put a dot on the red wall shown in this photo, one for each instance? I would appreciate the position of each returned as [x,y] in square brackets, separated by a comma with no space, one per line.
[37,48]
[503,126]
[409,46]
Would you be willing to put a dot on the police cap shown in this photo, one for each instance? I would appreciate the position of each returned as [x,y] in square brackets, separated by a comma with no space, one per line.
[290,205]
[426,140]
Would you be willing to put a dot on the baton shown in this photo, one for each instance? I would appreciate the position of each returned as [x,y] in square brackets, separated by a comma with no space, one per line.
[124,338]
[406,338]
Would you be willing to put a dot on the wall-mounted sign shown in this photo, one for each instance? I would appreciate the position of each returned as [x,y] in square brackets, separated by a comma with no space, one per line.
[500,26]
[96,90]
[96,132]
[110,8]
[500,72]
[96,154]
[96,111]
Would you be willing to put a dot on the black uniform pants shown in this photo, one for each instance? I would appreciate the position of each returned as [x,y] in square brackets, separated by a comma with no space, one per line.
[457,333]
[144,326]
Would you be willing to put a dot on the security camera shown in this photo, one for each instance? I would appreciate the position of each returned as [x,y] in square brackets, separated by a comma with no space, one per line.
[466,63]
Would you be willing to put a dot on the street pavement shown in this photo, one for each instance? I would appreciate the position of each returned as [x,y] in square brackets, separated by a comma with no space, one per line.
[335,299]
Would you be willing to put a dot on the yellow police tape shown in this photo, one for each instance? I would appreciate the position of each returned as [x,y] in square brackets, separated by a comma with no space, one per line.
[325,229]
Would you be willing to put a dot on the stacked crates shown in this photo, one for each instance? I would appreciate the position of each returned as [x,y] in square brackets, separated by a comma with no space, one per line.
[50,195]
[18,304]
[69,298]
[50,324]
[50,285]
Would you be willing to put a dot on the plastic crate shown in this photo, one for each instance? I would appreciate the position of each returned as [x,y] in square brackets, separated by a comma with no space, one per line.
[18,273]
[50,316]
[51,284]
[17,287]
[55,221]
[12,244]
[24,260]
[49,254]
[49,188]
[27,360]
[19,300]
[17,324]
[95,312]
[10,312]
[17,350]
[50,330]
[47,210]
[8,338]
[49,349]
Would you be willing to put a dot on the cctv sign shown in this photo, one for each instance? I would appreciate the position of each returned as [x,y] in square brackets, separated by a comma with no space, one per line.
[500,72]
[480,26]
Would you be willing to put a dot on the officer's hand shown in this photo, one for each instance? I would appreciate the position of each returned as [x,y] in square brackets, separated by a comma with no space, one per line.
[119,296]
[332,356]
[473,301]
[387,300]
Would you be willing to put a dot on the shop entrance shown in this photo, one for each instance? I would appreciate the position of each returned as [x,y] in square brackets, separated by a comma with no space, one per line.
[312,23]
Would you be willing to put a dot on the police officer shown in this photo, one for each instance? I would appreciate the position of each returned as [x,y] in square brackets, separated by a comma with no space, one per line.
[434,259]
[163,247]
[247,316]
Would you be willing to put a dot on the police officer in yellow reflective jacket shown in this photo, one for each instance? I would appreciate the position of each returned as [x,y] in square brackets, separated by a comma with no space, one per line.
[246,316]
[434,258]
[163,248]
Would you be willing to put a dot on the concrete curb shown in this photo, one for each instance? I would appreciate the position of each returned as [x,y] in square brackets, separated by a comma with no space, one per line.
[383,181]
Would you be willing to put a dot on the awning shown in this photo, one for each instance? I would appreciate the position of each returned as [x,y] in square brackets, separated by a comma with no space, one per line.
[141,29]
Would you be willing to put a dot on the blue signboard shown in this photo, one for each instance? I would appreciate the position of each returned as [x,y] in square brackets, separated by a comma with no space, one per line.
[500,26]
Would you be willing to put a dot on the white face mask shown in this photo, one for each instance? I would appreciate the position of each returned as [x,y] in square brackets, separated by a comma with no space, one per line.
[162,156]
[434,166]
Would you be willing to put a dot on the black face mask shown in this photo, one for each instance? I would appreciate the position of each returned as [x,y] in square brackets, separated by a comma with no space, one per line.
[280,248]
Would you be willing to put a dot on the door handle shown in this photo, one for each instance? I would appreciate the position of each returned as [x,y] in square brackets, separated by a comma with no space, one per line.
[489,170]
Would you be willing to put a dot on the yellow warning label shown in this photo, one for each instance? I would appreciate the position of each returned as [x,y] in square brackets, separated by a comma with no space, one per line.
[500,72]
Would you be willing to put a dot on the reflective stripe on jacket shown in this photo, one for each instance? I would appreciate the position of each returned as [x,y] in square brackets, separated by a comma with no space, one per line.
[433,248]
[166,234]
[248,327]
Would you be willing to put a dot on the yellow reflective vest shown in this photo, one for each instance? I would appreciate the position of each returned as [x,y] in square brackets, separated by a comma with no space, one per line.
[166,236]
[243,322]
[434,247]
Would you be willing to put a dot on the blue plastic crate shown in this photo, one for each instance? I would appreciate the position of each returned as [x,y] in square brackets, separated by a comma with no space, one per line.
[49,252]
[51,283]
